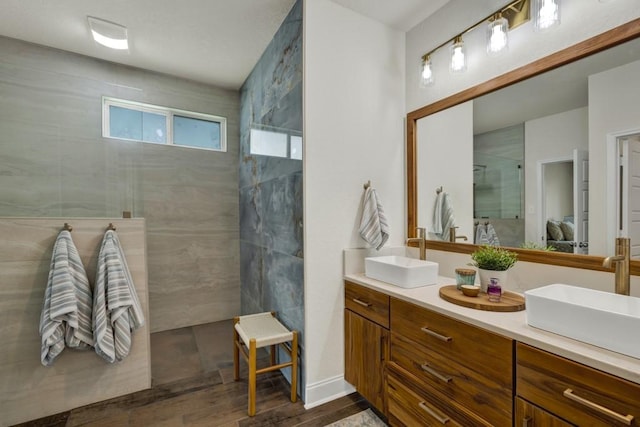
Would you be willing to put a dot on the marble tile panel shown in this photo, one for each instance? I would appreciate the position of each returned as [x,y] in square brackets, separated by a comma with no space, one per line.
[251,276]
[287,114]
[251,228]
[283,289]
[282,214]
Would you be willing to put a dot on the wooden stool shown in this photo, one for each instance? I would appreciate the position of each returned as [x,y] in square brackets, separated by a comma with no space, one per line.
[261,330]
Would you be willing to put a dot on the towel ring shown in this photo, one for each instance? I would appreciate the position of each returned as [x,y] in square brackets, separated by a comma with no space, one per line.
[367,184]
[439,190]
[67,227]
[111,227]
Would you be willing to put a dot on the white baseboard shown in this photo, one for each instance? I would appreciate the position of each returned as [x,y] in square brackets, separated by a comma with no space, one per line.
[326,391]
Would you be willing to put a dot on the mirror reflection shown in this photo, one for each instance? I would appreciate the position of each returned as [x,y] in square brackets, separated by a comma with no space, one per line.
[545,163]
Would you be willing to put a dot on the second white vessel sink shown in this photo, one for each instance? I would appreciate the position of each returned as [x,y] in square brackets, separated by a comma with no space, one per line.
[401,271]
[603,319]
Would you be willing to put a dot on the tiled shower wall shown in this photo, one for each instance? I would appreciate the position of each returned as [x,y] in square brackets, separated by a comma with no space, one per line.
[271,256]
[55,163]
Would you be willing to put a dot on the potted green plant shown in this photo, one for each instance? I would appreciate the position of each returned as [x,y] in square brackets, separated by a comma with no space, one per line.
[493,262]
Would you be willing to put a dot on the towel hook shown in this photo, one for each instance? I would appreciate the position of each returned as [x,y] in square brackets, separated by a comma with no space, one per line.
[367,184]
[439,190]
[67,227]
[111,227]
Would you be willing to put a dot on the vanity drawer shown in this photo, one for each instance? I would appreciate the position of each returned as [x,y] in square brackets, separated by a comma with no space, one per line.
[413,405]
[368,303]
[574,392]
[490,399]
[475,348]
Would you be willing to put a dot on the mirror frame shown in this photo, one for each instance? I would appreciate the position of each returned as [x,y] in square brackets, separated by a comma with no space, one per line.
[603,41]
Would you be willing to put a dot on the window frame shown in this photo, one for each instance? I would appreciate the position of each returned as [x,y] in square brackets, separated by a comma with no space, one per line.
[169,114]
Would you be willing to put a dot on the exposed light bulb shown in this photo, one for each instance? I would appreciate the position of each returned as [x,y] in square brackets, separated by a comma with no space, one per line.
[426,72]
[458,62]
[497,38]
[548,14]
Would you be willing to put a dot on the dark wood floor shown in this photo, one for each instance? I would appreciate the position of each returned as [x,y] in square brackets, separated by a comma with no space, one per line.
[193,385]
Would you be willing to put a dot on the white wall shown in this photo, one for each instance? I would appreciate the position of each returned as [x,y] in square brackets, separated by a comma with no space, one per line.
[451,133]
[614,107]
[581,19]
[528,275]
[549,138]
[354,122]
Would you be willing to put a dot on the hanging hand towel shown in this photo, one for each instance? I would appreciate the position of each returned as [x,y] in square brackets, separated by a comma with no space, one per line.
[116,309]
[373,224]
[66,312]
[443,218]
[481,235]
[492,236]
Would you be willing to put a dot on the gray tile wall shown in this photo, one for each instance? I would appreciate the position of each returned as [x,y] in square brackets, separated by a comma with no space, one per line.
[271,250]
[55,163]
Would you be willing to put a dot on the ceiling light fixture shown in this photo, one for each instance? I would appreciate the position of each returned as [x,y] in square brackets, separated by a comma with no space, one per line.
[108,34]
[426,72]
[547,14]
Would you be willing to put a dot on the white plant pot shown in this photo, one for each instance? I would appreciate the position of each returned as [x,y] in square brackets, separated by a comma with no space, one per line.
[486,275]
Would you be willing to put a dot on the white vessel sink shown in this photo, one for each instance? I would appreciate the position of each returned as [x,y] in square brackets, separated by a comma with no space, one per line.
[603,319]
[401,271]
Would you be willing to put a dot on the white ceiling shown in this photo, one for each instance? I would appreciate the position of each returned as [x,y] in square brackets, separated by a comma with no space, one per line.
[212,41]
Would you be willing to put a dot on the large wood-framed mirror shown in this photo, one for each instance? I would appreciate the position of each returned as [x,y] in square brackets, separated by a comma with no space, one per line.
[587,49]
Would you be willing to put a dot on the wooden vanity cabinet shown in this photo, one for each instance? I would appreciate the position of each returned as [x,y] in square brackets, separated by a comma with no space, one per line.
[574,392]
[366,323]
[528,415]
[441,359]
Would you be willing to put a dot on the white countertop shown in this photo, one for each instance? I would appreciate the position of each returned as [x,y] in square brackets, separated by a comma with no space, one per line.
[512,325]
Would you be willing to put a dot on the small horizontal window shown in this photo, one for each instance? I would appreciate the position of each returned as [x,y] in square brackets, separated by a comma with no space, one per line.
[276,142]
[135,121]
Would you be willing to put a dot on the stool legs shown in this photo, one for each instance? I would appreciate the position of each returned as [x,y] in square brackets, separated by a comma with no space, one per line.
[294,367]
[252,377]
[249,352]
[236,350]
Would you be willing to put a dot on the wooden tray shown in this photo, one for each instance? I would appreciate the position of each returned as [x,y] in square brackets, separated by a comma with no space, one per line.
[509,301]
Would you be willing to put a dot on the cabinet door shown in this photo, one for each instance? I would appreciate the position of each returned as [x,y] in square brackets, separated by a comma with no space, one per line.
[366,349]
[528,415]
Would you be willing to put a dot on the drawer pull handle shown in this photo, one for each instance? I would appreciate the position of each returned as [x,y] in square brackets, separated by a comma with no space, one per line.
[436,335]
[626,419]
[442,419]
[362,303]
[425,367]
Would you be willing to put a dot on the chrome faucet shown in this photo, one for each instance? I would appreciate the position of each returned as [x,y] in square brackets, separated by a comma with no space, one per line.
[453,237]
[421,240]
[621,258]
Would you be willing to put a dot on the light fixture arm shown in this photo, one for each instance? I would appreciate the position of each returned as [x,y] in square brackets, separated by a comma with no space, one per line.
[514,13]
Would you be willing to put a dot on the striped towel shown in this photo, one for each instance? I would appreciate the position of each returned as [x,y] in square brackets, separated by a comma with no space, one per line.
[116,309]
[443,218]
[66,312]
[481,235]
[492,236]
[373,224]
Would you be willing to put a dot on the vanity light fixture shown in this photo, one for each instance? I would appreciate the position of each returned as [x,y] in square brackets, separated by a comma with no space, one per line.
[458,62]
[108,34]
[546,14]
[426,72]
[500,22]
[497,38]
